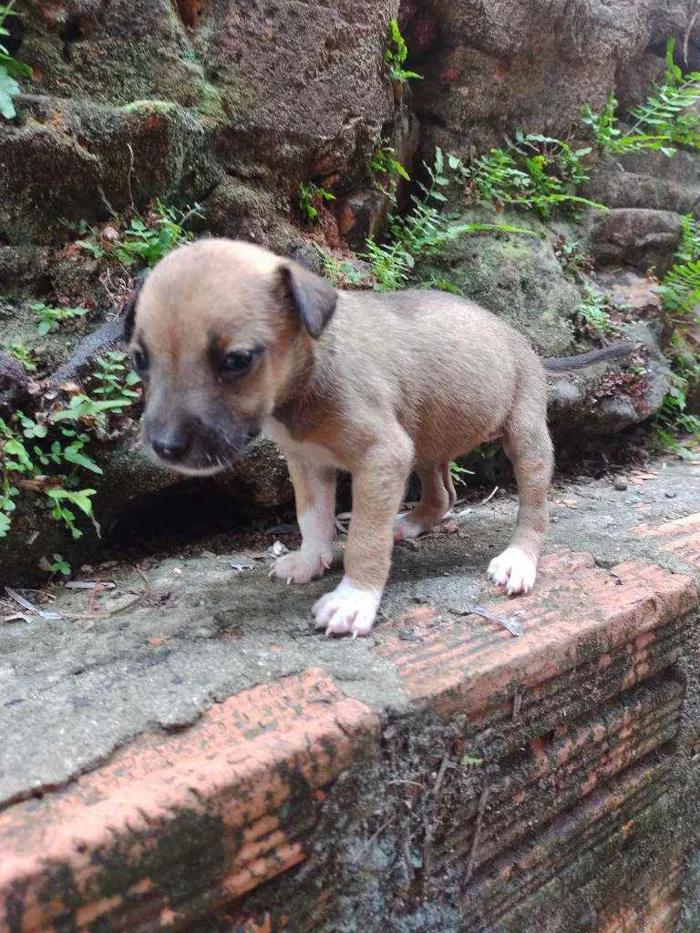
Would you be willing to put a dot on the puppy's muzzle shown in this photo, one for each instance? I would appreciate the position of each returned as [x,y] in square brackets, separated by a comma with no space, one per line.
[192,446]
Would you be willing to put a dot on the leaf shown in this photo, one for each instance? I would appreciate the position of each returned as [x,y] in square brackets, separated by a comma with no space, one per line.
[5,525]
[8,89]
[73,455]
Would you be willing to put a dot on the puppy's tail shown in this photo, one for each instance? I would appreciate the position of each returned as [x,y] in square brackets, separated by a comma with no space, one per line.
[581,360]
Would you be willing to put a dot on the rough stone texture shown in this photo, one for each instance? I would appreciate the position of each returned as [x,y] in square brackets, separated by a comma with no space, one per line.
[491,66]
[647,180]
[517,277]
[637,237]
[13,384]
[441,774]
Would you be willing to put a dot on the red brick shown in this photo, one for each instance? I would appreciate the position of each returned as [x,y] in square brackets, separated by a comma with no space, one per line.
[681,537]
[249,760]
[470,664]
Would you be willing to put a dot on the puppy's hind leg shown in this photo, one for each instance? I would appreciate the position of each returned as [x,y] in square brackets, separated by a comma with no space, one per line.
[529,447]
[437,497]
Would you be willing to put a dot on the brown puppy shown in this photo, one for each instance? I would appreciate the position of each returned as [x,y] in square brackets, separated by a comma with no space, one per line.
[231,340]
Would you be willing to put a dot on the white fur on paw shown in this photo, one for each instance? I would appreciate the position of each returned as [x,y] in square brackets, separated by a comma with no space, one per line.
[405,528]
[301,566]
[514,570]
[347,610]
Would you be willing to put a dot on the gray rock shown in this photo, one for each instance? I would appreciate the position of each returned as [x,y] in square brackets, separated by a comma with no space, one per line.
[638,237]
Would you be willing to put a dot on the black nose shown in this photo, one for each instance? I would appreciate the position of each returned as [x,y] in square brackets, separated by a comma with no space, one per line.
[171,449]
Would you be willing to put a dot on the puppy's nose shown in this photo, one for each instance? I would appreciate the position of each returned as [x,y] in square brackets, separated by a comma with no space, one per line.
[171,448]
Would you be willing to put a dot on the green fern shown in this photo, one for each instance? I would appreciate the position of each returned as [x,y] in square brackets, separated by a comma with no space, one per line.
[667,119]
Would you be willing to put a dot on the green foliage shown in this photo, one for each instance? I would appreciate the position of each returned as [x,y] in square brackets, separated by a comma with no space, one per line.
[457,472]
[59,565]
[308,194]
[10,68]
[48,454]
[395,55]
[385,166]
[680,287]
[115,379]
[593,314]
[668,118]
[50,318]
[23,353]
[535,171]
[145,241]
[424,232]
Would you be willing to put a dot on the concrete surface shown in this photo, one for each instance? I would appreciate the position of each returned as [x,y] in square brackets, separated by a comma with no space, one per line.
[213,684]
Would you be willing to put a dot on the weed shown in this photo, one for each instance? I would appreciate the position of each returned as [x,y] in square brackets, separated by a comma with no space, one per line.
[593,314]
[386,166]
[145,242]
[343,274]
[23,353]
[457,472]
[10,68]
[442,285]
[309,196]
[572,258]
[680,287]
[395,55]
[59,565]
[50,318]
[48,454]
[535,171]
[425,231]
[668,118]
[115,380]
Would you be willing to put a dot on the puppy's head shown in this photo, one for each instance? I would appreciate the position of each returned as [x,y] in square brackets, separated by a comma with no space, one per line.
[221,334]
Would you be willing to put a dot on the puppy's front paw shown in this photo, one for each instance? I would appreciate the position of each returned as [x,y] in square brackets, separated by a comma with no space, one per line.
[347,610]
[514,569]
[301,566]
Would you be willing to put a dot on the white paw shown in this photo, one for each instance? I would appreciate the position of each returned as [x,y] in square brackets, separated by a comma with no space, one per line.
[405,528]
[301,566]
[514,569]
[347,610]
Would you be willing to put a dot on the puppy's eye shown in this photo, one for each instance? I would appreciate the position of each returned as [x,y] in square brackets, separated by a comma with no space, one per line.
[236,363]
[140,361]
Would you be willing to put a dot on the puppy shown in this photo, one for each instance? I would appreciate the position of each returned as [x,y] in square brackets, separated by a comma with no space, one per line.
[231,340]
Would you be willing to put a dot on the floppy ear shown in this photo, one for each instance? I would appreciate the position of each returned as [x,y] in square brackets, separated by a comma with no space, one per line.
[313,297]
[128,312]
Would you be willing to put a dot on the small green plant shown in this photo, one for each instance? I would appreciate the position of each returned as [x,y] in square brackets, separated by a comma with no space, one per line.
[115,380]
[10,68]
[395,55]
[680,287]
[51,318]
[668,118]
[58,565]
[342,273]
[457,473]
[145,241]
[424,232]
[593,314]
[534,171]
[387,170]
[49,454]
[23,353]
[309,196]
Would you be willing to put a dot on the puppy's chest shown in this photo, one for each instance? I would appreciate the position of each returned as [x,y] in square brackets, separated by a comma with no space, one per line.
[316,454]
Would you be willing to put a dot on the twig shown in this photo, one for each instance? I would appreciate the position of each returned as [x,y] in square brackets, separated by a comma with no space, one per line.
[477,829]
[113,612]
[129,175]
[444,765]
[688,33]
[490,497]
[374,835]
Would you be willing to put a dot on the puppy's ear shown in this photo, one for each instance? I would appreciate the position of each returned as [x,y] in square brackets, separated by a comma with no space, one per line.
[128,312]
[313,297]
